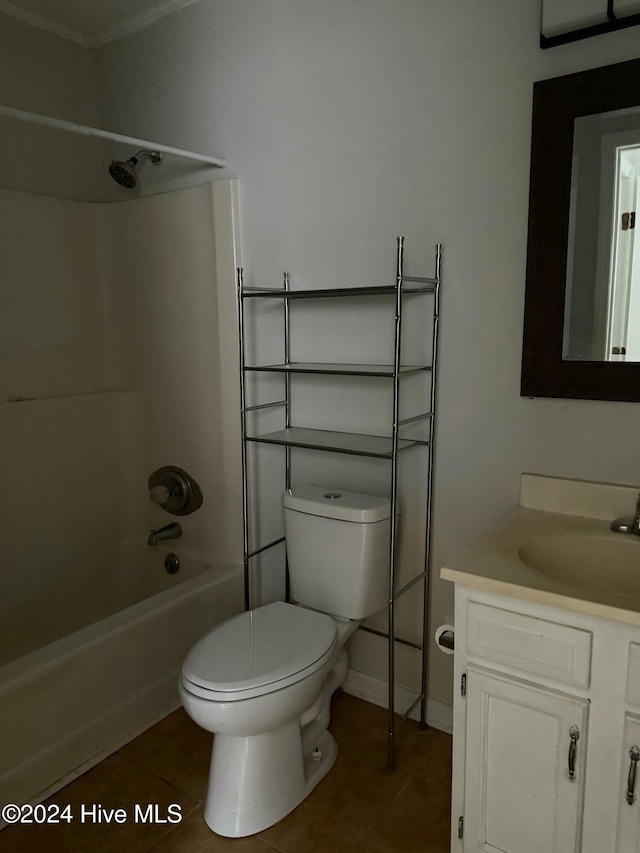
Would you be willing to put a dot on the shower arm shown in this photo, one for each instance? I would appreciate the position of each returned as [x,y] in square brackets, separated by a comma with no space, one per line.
[86,130]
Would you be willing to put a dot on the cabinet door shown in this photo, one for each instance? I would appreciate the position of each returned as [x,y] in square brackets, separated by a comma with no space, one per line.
[519,797]
[629,796]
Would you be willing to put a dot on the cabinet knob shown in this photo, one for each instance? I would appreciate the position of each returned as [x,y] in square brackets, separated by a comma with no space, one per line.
[634,755]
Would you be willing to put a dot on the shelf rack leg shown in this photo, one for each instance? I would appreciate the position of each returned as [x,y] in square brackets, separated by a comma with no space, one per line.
[287,397]
[391,762]
[287,377]
[429,506]
[243,422]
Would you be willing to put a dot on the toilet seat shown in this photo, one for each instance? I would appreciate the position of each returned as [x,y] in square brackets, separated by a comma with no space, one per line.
[259,652]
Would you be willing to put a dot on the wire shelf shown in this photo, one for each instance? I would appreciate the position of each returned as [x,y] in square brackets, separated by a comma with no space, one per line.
[416,285]
[356,444]
[384,370]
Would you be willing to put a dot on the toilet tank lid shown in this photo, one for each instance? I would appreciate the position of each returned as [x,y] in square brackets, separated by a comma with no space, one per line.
[337,503]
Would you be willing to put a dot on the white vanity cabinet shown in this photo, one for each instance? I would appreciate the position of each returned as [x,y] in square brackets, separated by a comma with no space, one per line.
[546,724]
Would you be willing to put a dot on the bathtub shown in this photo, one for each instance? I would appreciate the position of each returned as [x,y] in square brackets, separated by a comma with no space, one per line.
[66,706]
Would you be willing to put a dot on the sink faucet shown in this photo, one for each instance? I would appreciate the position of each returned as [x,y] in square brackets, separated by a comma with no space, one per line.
[628,525]
[171,531]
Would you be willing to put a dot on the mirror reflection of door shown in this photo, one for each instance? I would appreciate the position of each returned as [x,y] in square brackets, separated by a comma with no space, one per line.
[602,289]
[623,316]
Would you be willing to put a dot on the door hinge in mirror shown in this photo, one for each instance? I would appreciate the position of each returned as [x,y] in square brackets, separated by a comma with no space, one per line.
[460,826]
[628,220]
[463,684]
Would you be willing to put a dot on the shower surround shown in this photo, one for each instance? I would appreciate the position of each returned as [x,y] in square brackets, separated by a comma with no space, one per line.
[116,320]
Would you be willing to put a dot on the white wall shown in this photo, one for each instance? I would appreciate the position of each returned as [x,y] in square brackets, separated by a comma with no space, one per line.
[44,73]
[352,122]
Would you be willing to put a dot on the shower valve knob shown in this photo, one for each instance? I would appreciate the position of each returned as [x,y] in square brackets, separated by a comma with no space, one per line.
[175,491]
[159,494]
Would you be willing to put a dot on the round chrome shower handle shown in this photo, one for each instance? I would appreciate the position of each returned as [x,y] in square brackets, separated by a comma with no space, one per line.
[159,494]
[174,490]
[634,755]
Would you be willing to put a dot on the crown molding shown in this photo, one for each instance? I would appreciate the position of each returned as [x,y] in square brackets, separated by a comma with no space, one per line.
[139,22]
[44,23]
[130,25]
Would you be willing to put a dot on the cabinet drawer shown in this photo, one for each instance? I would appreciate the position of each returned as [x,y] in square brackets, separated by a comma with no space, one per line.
[633,674]
[528,644]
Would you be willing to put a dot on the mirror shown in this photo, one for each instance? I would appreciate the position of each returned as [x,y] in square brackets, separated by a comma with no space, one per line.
[582,306]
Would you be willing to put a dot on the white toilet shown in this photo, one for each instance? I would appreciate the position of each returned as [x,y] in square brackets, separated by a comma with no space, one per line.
[262,681]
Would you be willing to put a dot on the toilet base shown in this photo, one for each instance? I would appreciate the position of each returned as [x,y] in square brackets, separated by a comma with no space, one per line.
[256,781]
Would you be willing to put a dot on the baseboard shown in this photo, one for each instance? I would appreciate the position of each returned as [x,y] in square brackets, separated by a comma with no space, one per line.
[375,690]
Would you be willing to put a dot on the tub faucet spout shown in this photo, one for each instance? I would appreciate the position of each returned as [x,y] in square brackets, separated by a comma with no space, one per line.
[171,531]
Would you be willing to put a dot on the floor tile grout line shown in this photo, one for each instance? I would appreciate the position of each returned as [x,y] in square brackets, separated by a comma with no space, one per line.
[427,777]
[161,777]
[378,755]
[410,780]
[269,845]
[197,803]
[170,830]
[364,846]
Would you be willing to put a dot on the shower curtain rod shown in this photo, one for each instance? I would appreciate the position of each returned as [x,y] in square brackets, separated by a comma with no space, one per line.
[86,130]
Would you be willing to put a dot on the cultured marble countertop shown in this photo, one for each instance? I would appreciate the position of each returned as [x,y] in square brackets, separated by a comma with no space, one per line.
[492,563]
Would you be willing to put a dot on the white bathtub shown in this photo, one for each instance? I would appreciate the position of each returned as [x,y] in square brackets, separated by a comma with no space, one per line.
[65,707]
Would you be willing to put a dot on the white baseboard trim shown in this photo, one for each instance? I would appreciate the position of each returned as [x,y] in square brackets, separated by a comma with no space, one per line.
[375,690]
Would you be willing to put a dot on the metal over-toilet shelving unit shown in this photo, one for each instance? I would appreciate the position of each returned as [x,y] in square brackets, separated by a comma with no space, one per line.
[374,446]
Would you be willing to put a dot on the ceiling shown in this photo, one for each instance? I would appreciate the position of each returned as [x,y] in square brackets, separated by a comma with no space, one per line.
[91,22]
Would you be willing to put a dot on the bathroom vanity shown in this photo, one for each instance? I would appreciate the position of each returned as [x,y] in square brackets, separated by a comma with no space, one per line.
[547,677]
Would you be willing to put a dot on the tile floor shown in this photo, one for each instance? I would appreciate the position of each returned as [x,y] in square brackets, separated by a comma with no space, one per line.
[358,807]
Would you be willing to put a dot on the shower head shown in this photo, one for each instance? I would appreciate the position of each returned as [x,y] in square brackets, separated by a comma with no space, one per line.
[124,173]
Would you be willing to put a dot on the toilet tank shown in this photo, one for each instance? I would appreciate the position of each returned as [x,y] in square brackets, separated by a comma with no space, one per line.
[338,550]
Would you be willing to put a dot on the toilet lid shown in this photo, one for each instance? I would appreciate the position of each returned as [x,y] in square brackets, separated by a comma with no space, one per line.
[259,651]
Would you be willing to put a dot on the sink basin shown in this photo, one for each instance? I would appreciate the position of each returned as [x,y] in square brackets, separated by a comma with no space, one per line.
[605,564]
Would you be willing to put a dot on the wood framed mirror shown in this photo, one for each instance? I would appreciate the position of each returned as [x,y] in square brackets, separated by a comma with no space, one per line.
[551,367]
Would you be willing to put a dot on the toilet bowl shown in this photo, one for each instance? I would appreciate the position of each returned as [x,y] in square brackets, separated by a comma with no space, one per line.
[262,683]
